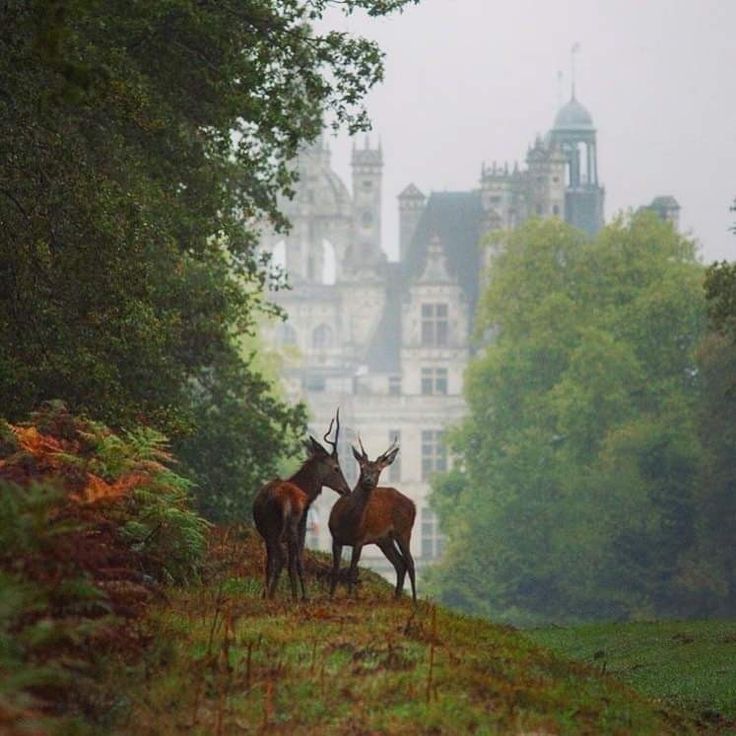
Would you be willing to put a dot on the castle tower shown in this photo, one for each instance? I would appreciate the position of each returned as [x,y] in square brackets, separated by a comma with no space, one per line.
[367,165]
[546,180]
[411,206]
[575,136]
[320,213]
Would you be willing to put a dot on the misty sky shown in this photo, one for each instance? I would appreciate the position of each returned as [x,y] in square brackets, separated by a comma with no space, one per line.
[474,80]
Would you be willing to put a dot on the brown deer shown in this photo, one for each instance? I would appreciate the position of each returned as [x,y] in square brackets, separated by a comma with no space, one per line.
[280,510]
[374,515]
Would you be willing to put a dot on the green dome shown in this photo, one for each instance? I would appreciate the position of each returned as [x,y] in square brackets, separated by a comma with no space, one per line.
[573,116]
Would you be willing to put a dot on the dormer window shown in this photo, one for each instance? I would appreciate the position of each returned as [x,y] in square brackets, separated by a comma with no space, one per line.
[434,325]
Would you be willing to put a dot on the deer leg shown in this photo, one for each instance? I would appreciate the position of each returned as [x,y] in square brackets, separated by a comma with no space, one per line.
[267,570]
[293,561]
[336,556]
[277,564]
[394,557]
[405,547]
[353,574]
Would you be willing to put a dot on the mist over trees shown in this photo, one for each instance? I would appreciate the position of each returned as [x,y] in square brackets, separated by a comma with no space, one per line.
[138,140]
[595,467]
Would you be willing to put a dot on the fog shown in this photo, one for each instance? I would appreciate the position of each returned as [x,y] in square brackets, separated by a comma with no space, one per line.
[474,80]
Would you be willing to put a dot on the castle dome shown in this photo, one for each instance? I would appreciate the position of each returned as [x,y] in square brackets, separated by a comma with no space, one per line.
[573,116]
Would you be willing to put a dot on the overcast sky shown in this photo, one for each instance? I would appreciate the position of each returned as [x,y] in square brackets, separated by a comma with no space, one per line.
[475,80]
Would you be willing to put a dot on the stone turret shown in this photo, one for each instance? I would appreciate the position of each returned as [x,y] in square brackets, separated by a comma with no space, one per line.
[411,207]
[367,166]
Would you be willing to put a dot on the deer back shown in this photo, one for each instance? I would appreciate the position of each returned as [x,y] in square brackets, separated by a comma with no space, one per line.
[277,503]
[388,512]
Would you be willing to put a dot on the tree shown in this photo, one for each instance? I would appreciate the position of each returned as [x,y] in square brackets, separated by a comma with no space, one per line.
[138,141]
[580,453]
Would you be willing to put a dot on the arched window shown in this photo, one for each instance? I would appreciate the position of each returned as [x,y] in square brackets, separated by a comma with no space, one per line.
[329,262]
[322,337]
[278,255]
[285,334]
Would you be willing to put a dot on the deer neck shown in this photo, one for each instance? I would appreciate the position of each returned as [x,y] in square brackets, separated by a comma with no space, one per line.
[356,505]
[307,478]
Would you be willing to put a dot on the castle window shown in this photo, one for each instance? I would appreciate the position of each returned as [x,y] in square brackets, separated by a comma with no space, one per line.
[394,385]
[555,210]
[366,219]
[367,185]
[432,539]
[285,335]
[314,382]
[394,470]
[434,325]
[434,454]
[322,337]
[434,381]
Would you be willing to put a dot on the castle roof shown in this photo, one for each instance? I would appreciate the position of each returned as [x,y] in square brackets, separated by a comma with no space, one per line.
[573,117]
[455,219]
[384,350]
[411,191]
[666,202]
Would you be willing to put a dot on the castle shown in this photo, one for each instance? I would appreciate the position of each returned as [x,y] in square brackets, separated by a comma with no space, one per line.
[388,342]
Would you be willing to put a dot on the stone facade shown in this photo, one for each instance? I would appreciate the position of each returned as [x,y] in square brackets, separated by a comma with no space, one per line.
[388,342]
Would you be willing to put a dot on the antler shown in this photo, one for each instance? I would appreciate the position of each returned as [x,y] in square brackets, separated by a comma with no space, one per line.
[390,449]
[337,433]
[362,449]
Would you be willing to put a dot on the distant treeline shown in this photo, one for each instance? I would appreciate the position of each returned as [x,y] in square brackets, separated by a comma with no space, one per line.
[596,473]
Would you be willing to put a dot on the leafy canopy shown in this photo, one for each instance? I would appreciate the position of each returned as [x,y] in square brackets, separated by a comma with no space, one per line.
[578,458]
[139,141]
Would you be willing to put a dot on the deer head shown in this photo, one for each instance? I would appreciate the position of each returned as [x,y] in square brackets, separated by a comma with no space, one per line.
[327,462]
[370,470]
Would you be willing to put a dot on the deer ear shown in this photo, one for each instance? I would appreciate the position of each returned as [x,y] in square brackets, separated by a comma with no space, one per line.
[357,455]
[314,447]
[389,457]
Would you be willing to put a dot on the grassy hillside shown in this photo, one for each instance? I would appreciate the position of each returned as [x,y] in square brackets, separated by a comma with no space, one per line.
[689,664]
[222,660]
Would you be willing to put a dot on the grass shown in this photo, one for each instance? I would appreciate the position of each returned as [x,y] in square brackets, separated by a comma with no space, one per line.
[223,661]
[687,664]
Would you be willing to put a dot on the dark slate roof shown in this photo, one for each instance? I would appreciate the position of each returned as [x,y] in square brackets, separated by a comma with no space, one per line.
[573,116]
[666,202]
[385,345]
[411,191]
[456,218]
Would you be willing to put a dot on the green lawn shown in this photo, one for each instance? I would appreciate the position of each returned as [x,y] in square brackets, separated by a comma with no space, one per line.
[688,664]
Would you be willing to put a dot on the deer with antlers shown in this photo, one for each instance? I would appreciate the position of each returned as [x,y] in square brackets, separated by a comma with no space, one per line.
[374,515]
[280,510]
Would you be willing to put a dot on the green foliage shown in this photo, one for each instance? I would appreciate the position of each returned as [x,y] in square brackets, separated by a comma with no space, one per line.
[581,454]
[139,143]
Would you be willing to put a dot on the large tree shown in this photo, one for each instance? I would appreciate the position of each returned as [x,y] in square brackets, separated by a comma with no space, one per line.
[138,139]
[580,453]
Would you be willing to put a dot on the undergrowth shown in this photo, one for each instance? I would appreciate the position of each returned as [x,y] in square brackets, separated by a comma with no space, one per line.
[92,524]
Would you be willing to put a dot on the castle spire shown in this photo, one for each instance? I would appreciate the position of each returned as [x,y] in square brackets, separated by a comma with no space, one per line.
[574,50]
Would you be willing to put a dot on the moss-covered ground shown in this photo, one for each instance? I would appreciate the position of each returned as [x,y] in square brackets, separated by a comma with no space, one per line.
[221,660]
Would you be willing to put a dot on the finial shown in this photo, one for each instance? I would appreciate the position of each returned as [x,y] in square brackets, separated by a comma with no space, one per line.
[559,89]
[574,50]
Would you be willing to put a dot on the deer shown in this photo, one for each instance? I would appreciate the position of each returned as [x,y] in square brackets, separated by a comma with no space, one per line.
[374,515]
[280,510]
